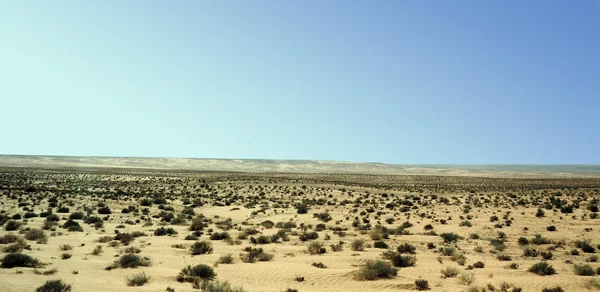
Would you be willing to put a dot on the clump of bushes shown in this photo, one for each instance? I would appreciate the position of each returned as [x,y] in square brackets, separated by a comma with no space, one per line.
[542,269]
[422,285]
[255,254]
[404,260]
[373,270]
[219,286]
[584,270]
[201,247]
[128,261]
[14,260]
[316,247]
[138,280]
[161,231]
[357,245]
[198,272]
[54,286]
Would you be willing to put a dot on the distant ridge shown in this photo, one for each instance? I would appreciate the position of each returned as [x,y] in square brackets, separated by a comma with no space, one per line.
[297,166]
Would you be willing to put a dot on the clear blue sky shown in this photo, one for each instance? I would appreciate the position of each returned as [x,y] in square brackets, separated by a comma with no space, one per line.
[388,81]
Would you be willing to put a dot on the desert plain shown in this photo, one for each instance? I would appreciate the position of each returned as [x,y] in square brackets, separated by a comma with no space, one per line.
[141,229]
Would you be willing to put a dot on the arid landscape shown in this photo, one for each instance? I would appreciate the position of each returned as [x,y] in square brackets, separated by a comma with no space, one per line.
[144,229]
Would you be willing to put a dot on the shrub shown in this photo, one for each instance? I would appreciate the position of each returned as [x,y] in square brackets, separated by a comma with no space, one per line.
[197,224]
[555,289]
[551,228]
[201,247]
[316,247]
[198,272]
[319,265]
[138,280]
[584,270]
[16,259]
[66,256]
[538,239]
[12,225]
[219,236]
[76,216]
[226,259]
[357,245]
[422,285]
[406,248]
[479,265]
[54,286]
[585,246]
[161,231]
[373,270]
[36,234]
[380,244]
[403,260]
[127,261]
[9,238]
[449,272]
[542,269]
[466,278]
[220,286]
[306,236]
[255,254]
[450,237]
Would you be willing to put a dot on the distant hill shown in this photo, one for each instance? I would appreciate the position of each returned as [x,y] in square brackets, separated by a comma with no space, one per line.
[296,166]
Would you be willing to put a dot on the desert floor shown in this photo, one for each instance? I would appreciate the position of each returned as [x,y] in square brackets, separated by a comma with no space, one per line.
[341,221]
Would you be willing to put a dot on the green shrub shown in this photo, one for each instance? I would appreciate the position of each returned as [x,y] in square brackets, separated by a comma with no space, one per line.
[450,237]
[138,280]
[127,261]
[201,247]
[219,236]
[9,238]
[542,269]
[316,247]
[373,270]
[584,270]
[219,286]
[161,231]
[197,272]
[255,254]
[555,289]
[403,260]
[37,235]
[54,286]
[357,245]
[406,248]
[226,259]
[13,260]
[422,285]
[380,244]
[12,225]
[449,272]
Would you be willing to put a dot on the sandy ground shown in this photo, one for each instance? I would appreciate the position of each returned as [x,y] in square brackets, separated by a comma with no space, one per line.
[278,199]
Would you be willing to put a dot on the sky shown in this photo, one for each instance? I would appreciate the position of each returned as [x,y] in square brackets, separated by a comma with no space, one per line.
[404,82]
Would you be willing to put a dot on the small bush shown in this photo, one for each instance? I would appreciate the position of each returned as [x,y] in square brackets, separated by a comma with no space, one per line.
[13,260]
[201,247]
[380,244]
[373,270]
[54,286]
[319,265]
[219,286]
[466,279]
[226,259]
[404,260]
[12,225]
[357,245]
[406,248]
[422,285]
[449,272]
[127,261]
[138,280]
[555,289]
[584,270]
[450,237]
[316,247]
[198,272]
[542,269]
